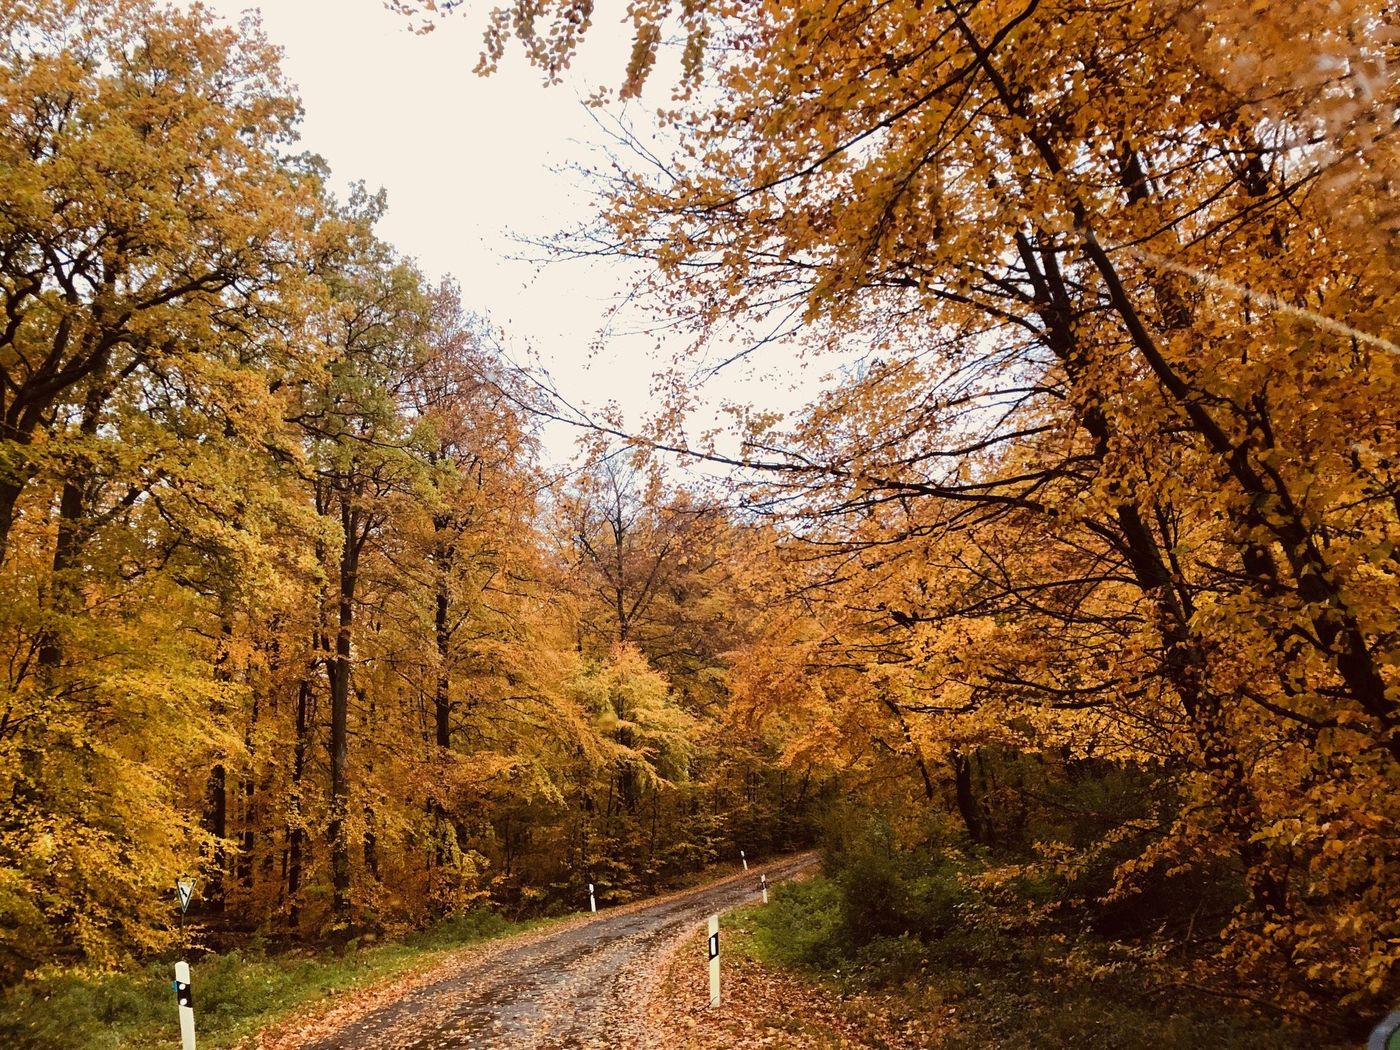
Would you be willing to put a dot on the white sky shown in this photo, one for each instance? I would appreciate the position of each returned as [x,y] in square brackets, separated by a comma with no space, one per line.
[469,163]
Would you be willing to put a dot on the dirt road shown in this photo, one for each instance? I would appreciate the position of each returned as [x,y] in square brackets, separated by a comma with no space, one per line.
[580,987]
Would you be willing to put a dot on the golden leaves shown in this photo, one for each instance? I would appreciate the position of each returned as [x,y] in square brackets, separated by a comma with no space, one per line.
[1104,488]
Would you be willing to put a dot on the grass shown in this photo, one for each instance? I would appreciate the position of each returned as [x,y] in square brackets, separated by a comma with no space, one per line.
[235,994]
[990,990]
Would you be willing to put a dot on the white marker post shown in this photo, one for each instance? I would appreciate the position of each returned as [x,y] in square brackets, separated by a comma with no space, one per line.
[744,859]
[763,886]
[185,998]
[592,901]
[713,945]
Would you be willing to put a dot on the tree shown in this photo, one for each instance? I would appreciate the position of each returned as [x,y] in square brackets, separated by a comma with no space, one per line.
[1124,271]
[103,276]
[361,450]
[138,371]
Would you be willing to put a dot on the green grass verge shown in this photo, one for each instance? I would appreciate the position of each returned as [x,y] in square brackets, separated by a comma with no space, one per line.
[989,990]
[235,994]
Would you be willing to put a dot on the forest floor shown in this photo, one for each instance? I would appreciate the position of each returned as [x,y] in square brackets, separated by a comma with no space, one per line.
[590,982]
[769,1006]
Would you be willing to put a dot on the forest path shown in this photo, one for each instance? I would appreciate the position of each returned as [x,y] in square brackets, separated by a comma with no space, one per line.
[580,987]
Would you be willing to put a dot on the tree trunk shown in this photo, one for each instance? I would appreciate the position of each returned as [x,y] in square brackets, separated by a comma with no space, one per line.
[249,786]
[72,510]
[216,824]
[1184,662]
[338,675]
[442,695]
[914,750]
[355,529]
[296,833]
[9,497]
[967,800]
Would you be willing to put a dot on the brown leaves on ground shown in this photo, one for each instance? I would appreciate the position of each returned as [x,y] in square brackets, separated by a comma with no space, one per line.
[348,1008]
[766,1007]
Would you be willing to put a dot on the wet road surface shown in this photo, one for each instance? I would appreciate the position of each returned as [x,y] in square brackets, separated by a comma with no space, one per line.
[578,988]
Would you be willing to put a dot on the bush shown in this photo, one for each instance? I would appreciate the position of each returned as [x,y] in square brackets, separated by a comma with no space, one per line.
[914,918]
[893,894]
[891,960]
[477,924]
[62,1010]
[803,926]
[891,891]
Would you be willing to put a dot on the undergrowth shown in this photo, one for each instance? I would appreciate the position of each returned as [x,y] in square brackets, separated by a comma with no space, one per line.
[997,968]
[235,993]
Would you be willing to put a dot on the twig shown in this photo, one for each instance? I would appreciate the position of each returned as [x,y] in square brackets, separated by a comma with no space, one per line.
[1257,1001]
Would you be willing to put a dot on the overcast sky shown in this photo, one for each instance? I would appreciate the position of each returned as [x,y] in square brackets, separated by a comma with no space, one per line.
[471,163]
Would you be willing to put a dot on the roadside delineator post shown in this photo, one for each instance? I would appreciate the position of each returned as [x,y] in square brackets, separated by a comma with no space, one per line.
[592,900]
[184,996]
[744,859]
[763,887]
[713,945]
[184,999]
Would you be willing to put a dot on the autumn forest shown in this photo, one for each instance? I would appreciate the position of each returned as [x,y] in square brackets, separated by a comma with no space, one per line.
[1067,613]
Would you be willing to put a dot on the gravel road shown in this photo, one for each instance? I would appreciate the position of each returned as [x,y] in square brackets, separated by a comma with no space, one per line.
[580,987]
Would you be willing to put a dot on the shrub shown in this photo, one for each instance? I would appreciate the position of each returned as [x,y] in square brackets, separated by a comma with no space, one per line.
[803,926]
